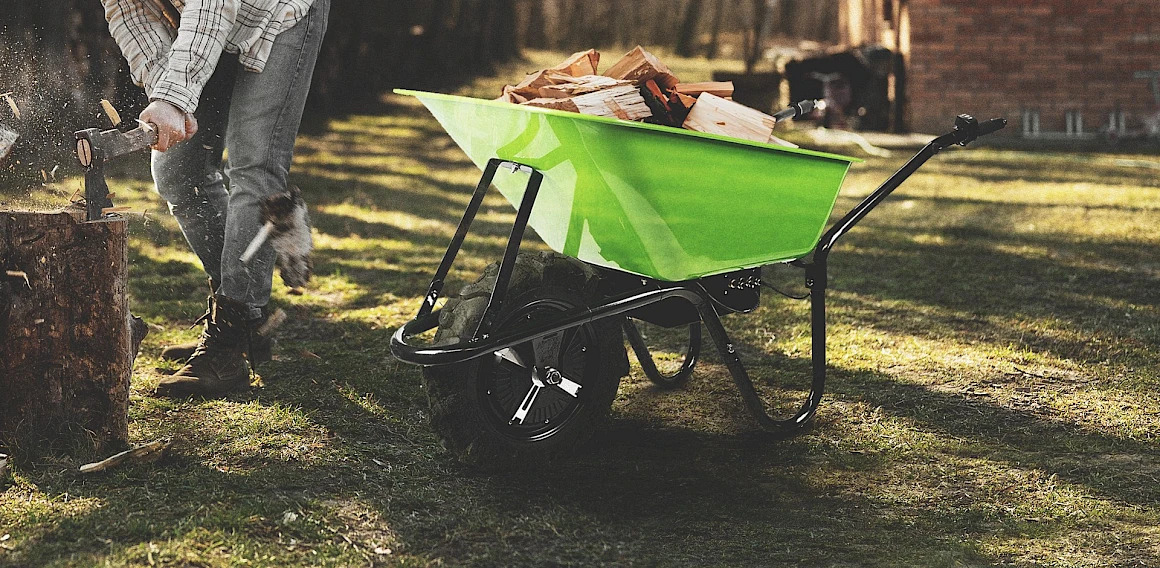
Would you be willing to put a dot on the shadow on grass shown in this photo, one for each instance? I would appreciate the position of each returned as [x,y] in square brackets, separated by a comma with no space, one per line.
[637,494]
[985,291]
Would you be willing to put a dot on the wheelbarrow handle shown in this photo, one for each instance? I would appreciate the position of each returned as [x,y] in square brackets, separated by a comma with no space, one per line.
[799,109]
[967,129]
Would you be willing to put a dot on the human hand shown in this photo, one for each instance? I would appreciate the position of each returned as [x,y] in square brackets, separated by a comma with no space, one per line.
[173,124]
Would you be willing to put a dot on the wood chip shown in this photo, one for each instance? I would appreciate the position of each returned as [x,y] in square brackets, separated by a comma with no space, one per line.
[8,139]
[11,104]
[145,453]
[107,210]
[114,116]
[19,274]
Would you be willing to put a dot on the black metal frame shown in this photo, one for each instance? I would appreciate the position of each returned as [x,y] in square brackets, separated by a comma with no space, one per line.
[966,130]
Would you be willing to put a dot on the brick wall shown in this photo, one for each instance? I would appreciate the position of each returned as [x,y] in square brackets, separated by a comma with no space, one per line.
[1000,57]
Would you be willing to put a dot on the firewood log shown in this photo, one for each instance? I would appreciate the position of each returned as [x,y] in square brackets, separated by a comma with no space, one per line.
[639,65]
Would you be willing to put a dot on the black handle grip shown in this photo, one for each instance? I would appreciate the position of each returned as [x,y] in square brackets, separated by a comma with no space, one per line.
[799,109]
[967,129]
[993,125]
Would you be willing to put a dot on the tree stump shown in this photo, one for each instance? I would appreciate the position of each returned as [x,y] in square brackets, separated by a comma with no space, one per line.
[66,357]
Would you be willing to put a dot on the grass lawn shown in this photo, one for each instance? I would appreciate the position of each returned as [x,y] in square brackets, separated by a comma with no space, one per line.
[994,351]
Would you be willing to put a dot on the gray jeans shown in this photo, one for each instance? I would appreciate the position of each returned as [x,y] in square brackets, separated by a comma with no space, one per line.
[256,116]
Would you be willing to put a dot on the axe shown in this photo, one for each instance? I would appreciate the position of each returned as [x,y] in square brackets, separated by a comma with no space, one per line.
[94,147]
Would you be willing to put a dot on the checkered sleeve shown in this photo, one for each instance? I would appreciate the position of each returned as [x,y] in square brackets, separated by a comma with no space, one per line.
[144,39]
[205,26]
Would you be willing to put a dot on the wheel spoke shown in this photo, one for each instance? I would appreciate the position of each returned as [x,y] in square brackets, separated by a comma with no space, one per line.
[526,405]
[510,355]
[569,386]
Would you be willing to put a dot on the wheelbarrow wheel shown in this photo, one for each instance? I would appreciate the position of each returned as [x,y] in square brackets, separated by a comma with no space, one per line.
[494,411]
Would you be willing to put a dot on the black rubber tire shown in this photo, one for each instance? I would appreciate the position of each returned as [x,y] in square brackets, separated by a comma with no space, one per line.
[463,410]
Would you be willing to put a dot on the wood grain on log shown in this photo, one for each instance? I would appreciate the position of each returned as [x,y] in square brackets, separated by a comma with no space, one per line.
[716,115]
[66,357]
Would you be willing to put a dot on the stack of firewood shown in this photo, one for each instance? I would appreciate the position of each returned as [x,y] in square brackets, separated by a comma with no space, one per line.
[641,87]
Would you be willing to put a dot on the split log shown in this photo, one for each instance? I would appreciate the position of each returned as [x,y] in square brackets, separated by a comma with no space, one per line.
[579,86]
[623,102]
[658,102]
[639,66]
[529,88]
[718,116]
[67,353]
[680,105]
[580,63]
[723,89]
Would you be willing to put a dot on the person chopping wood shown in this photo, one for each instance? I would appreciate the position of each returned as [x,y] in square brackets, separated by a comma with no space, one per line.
[222,74]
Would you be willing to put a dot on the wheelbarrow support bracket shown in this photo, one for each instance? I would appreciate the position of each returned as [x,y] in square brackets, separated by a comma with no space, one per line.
[513,246]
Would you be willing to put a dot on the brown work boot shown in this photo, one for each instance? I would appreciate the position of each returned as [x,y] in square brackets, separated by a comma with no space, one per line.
[262,346]
[183,351]
[218,364]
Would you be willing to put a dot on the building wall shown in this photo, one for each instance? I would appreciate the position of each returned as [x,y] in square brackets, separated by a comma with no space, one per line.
[1002,57]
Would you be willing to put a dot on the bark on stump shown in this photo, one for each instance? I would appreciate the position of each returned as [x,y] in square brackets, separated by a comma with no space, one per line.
[65,358]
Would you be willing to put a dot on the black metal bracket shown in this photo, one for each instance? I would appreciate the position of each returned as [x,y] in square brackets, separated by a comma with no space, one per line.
[514,240]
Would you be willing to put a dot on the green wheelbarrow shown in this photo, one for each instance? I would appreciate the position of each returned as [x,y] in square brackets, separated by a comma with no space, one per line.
[648,224]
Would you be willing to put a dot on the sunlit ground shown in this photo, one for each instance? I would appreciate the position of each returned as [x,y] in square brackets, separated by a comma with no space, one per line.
[994,345]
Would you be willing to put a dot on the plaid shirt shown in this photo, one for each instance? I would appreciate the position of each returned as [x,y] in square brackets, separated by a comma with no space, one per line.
[174,64]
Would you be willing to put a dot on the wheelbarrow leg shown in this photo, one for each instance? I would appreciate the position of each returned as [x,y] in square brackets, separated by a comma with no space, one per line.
[649,366]
[816,280]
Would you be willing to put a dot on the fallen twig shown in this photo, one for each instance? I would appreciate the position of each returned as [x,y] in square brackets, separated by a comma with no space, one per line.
[1028,373]
[145,453]
[19,274]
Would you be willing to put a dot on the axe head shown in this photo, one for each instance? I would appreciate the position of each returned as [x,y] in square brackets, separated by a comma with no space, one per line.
[95,145]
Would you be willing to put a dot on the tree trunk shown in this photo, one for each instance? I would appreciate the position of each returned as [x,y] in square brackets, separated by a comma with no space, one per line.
[715,35]
[67,352]
[535,32]
[755,35]
[687,36]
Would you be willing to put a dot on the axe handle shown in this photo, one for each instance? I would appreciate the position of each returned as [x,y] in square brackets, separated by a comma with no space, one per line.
[141,137]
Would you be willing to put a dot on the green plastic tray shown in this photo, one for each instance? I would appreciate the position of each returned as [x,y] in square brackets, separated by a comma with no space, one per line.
[666,203]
